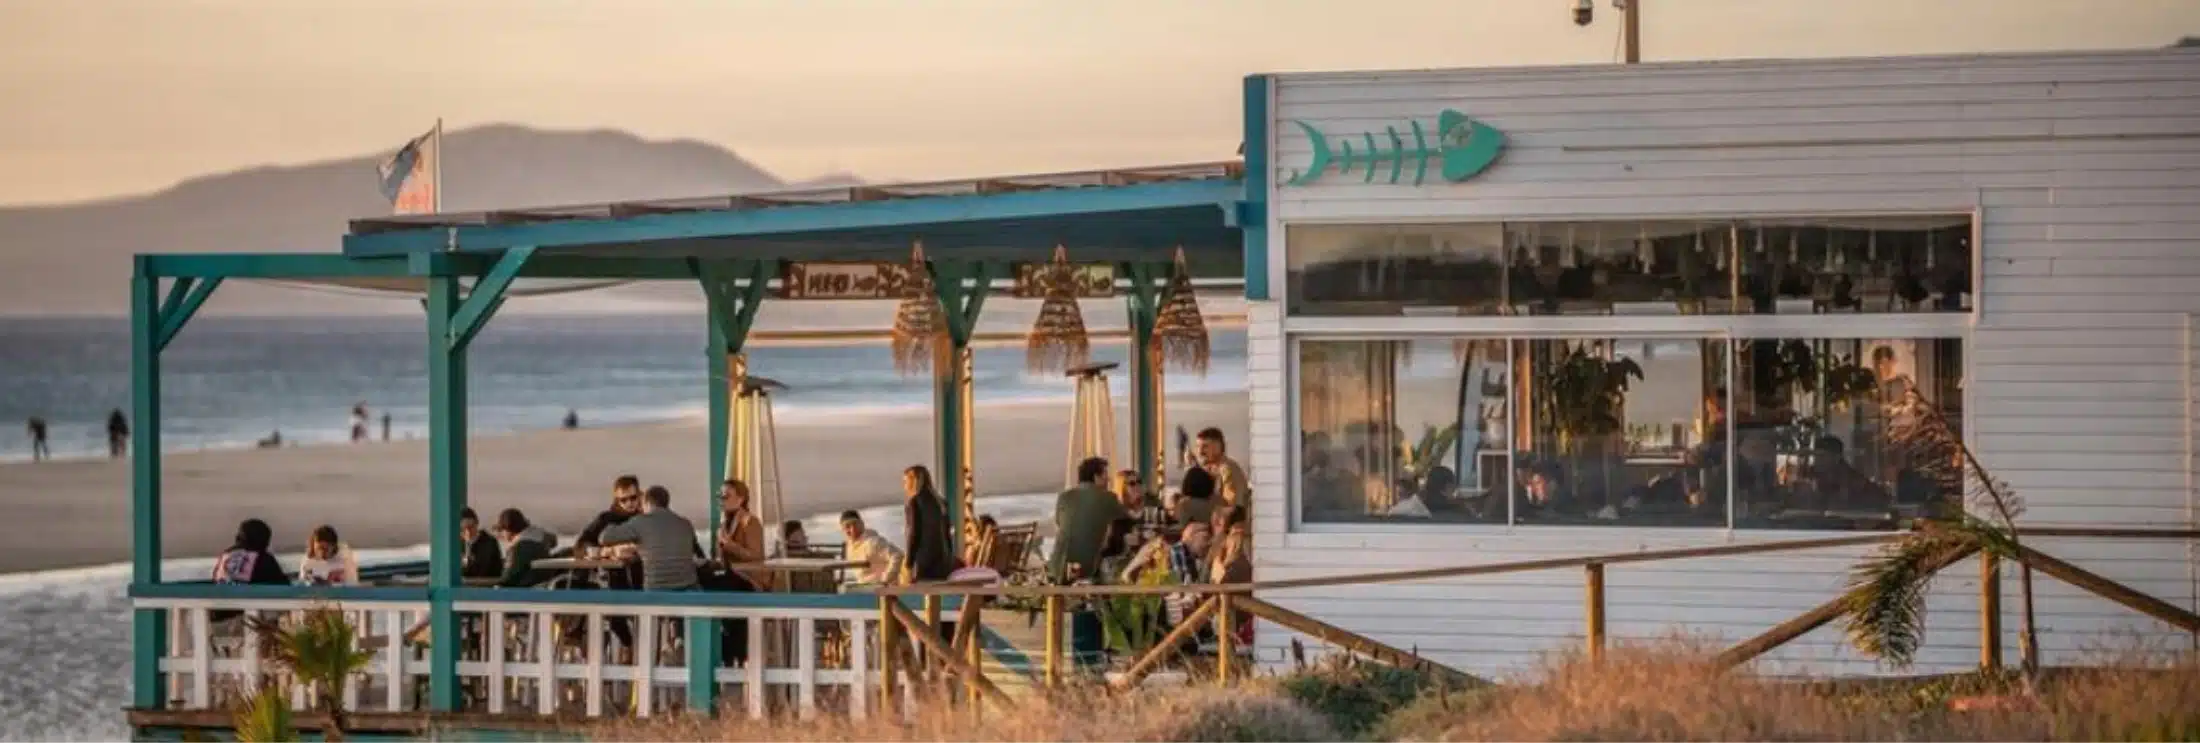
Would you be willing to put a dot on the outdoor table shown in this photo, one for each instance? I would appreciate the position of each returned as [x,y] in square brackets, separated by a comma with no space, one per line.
[577,563]
[781,568]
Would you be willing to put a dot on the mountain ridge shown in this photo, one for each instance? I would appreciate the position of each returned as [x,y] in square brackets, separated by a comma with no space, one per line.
[73,259]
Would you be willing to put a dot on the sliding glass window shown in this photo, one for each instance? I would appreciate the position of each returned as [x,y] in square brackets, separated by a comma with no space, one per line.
[1779,433]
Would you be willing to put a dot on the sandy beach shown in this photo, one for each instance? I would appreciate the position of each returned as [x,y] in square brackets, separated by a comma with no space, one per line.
[77,513]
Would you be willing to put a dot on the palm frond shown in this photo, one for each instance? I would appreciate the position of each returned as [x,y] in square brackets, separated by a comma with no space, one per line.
[1886,595]
[264,717]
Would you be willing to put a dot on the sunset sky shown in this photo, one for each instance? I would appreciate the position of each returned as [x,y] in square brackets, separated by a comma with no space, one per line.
[115,97]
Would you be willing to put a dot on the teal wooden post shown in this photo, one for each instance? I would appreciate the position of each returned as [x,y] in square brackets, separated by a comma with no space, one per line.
[1144,310]
[148,627]
[732,307]
[446,486]
[960,307]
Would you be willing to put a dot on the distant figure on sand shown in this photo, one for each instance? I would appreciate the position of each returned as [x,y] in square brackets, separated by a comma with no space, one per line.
[572,419]
[274,440]
[385,425]
[358,423]
[38,439]
[118,434]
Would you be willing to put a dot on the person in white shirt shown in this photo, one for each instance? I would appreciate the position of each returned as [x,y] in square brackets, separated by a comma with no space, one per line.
[881,559]
[328,561]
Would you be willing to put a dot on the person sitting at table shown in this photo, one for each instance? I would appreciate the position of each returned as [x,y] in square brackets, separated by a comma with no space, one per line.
[328,561]
[741,533]
[524,543]
[479,556]
[793,540]
[1195,500]
[626,500]
[931,555]
[1081,518]
[881,560]
[664,540]
[1829,482]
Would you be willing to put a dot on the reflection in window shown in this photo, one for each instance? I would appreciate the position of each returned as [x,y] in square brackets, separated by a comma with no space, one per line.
[1834,433]
[1805,433]
[1755,266]
[1402,430]
[1617,432]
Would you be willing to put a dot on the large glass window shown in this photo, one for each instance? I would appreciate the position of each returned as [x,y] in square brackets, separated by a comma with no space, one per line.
[1808,433]
[1767,266]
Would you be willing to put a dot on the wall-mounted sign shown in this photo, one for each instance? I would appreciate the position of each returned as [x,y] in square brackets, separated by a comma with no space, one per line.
[1093,280]
[1463,148]
[845,280]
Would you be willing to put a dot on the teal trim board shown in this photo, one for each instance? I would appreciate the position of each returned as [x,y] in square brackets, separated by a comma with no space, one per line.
[1251,214]
[148,627]
[1463,149]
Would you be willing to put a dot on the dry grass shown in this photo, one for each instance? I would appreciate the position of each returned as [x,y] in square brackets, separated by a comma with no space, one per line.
[1254,712]
[1672,691]
[1663,691]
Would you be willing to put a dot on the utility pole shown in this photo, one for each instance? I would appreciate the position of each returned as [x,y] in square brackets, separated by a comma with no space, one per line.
[1630,28]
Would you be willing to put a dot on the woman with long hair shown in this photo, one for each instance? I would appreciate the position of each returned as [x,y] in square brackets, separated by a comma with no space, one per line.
[931,550]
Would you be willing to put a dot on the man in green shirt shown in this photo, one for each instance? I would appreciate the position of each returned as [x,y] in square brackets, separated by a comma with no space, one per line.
[1081,518]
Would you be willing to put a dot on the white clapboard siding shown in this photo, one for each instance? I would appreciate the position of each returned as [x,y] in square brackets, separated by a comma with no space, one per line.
[2085,171]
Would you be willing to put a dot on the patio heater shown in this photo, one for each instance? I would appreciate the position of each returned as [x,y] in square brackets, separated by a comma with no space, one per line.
[752,454]
[1092,419]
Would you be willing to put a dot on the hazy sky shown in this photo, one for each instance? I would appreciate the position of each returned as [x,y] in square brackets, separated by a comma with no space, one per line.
[110,97]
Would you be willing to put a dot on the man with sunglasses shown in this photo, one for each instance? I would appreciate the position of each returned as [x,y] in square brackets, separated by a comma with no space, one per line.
[626,500]
[1147,516]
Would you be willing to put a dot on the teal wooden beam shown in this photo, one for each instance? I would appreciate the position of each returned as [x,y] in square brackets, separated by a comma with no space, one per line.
[487,295]
[184,300]
[960,307]
[269,266]
[148,627]
[1143,302]
[446,484]
[1250,213]
[732,292]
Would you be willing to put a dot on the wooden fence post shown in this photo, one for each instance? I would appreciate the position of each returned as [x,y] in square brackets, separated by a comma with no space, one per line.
[1053,662]
[1989,611]
[886,652]
[1225,638]
[1595,610]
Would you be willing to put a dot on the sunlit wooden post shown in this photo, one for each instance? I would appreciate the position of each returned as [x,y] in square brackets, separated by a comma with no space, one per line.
[1053,661]
[1225,638]
[887,625]
[931,621]
[1595,610]
[1989,612]
[973,613]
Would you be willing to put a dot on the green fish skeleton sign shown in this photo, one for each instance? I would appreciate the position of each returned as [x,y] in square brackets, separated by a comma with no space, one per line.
[1463,148]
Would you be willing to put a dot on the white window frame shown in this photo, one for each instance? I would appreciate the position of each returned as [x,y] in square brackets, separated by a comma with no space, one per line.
[1731,328]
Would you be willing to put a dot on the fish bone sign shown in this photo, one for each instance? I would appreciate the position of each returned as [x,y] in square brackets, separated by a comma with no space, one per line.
[1462,149]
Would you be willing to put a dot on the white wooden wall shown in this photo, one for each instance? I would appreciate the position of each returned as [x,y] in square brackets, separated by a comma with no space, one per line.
[2085,169]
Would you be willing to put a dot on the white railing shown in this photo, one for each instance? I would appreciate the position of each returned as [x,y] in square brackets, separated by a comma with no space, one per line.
[573,659]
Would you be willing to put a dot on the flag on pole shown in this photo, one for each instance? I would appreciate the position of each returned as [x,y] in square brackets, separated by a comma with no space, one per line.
[409,176]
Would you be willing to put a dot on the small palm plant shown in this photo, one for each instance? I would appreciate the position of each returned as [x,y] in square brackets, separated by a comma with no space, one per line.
[264,717]
[319,649]
[1886,594]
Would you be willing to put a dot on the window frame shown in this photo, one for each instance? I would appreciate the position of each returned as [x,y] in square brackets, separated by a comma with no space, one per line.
[1297,329]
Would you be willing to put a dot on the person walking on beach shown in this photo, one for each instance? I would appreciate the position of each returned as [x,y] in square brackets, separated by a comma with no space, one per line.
[1082,515]
[385,425]
[358,422]
[118,434]
[38,439]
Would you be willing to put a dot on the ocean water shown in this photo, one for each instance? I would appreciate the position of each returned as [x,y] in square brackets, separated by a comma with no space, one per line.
[227,382]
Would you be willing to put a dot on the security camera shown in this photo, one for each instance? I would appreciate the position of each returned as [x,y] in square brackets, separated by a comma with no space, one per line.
[1584,12]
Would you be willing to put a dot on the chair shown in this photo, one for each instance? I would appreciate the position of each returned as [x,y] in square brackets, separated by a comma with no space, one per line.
[1009,551]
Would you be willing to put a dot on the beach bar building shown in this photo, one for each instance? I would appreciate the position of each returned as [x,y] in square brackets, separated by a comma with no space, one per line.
[1495,316]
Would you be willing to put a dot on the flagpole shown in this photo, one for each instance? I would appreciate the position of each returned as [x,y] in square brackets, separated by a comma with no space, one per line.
[437,173]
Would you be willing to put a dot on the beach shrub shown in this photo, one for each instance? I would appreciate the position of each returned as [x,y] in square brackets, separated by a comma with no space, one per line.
[1354,695]
[1253,712]
[264,717]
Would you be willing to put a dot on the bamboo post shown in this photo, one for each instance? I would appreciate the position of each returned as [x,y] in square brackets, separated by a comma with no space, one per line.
[1225,638]
[1053,613]
[1989,612]
[886,653]
[931,619]
[1595,610]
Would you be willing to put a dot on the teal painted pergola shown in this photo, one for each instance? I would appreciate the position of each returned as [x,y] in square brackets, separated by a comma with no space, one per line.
[734,247]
